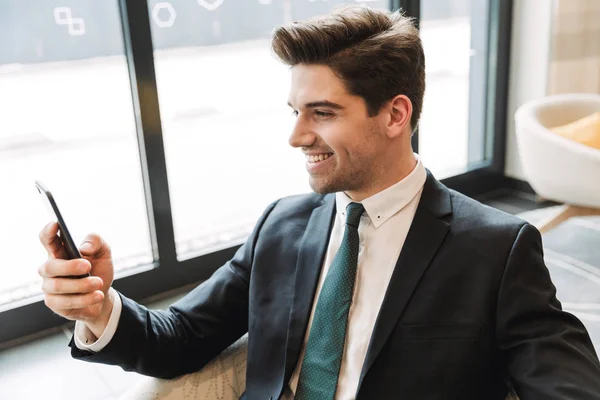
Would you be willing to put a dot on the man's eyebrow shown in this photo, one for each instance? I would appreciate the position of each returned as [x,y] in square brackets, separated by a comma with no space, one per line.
[321,103]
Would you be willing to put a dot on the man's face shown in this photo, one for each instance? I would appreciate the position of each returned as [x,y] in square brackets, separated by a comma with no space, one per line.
[335,127]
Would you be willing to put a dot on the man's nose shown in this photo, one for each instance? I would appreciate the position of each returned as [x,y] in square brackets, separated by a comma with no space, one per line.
[301,136]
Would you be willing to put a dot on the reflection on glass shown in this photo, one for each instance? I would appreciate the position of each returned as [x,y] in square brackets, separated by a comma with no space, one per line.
[66,120]
[226,122]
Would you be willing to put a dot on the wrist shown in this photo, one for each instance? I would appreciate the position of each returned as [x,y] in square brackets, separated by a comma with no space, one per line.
[98,325]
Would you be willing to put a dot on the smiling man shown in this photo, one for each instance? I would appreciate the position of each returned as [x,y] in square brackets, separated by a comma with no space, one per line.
[351,146]
[383,284]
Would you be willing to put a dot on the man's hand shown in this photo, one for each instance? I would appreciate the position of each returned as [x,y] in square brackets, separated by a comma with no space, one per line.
[86,299]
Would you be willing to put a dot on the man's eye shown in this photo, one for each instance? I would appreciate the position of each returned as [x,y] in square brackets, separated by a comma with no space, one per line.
[323,114]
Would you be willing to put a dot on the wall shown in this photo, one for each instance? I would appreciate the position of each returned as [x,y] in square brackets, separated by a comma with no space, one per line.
[530,55]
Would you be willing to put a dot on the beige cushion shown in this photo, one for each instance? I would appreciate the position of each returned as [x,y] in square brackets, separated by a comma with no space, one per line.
[585,130]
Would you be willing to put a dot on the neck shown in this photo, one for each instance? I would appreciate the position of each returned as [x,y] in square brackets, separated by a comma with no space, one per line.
[389,176]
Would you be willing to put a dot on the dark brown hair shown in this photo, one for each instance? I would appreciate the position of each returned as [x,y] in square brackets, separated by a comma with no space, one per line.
[377,54]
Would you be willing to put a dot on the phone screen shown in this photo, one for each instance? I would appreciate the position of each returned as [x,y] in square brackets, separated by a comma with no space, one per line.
[66,238]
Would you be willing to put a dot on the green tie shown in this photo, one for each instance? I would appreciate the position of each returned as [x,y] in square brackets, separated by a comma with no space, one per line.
[325,346]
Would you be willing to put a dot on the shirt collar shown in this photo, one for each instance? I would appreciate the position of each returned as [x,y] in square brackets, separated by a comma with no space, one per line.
[383,205]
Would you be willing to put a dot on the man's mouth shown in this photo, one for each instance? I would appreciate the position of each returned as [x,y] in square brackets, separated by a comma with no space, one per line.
[314,159]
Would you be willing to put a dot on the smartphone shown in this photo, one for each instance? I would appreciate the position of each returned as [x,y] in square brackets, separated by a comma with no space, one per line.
[66,238]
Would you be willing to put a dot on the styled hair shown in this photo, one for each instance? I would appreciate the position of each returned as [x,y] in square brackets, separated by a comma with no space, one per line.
[376,54]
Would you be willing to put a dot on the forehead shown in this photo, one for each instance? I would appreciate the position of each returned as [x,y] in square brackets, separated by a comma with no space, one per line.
[314,83]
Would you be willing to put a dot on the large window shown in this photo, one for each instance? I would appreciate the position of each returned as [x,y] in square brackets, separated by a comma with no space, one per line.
[446,35]
[456,129]
[163,126]
[455,36]
[67,120]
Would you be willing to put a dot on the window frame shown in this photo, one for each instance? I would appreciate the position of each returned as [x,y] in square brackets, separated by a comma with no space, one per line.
[31,318]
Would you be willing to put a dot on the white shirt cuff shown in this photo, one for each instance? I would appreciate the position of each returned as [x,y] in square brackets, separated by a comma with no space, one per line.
[85,338]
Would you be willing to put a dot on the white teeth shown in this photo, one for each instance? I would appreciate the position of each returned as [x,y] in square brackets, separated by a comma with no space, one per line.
[320,157]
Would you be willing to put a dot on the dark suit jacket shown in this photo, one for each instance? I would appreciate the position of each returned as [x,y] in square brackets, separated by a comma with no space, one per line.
[469,304]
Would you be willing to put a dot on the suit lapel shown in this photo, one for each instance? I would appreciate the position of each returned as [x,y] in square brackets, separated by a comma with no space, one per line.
[425,236]
[308,268]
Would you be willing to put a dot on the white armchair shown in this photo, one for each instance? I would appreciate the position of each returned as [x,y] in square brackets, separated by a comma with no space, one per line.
[557,168]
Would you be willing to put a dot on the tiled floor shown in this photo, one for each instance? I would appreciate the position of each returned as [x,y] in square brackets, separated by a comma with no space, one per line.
[44,369]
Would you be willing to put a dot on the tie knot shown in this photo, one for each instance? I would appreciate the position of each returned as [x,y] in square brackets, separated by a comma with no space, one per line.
[353,214]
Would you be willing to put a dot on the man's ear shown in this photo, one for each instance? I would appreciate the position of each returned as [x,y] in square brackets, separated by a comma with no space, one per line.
[400,112]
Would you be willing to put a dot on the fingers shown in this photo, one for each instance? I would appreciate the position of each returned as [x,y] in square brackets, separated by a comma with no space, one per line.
[55,267]
[51,241]
[71,286]
[94,247]
[62,304]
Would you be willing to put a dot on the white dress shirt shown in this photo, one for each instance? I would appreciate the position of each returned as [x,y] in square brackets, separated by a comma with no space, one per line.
[382,231]
[85,338]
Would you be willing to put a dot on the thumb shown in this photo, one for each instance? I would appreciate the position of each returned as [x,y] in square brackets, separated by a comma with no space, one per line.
[93,246]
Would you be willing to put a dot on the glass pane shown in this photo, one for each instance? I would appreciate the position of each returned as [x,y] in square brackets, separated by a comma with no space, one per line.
[66,119]
[226,122]
[451,132]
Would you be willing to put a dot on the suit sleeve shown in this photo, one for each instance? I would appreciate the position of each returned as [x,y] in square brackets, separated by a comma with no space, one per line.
[548,352]
[194,330]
